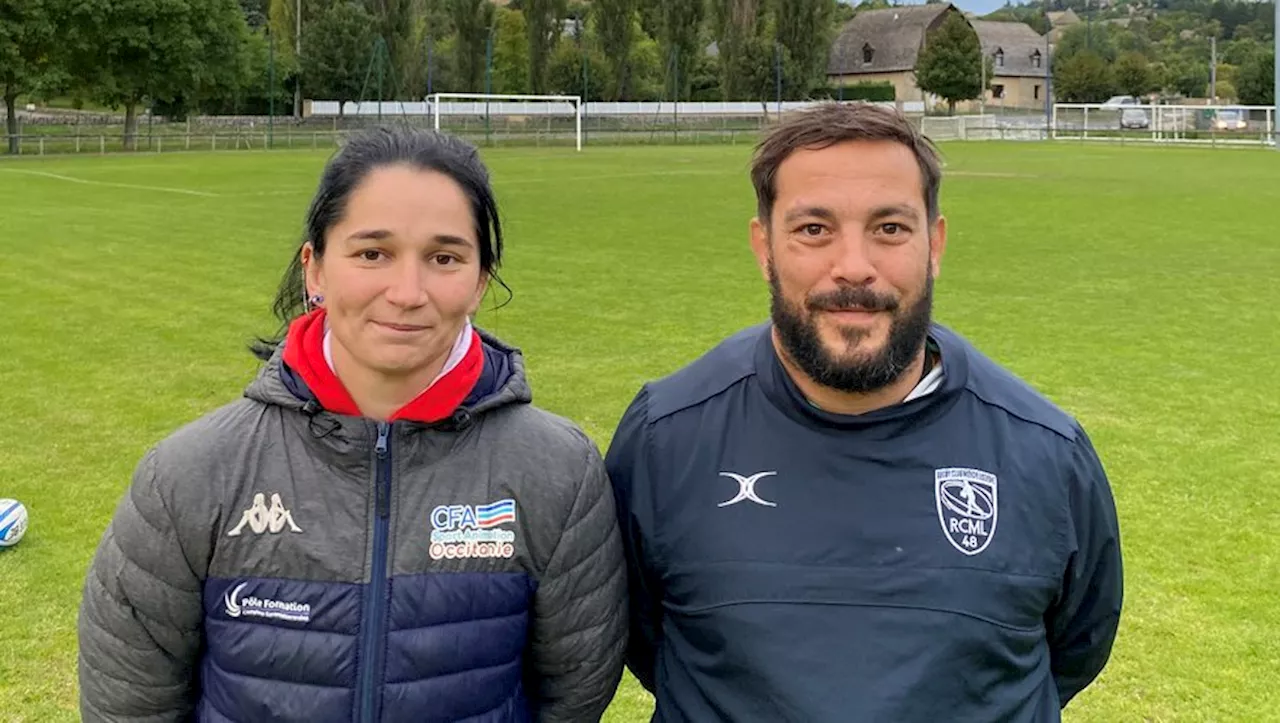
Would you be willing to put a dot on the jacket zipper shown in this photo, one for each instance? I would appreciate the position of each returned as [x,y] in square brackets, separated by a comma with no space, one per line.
[375,604]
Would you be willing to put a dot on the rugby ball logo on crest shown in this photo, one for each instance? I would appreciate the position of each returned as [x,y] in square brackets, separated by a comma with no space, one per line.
[968,507]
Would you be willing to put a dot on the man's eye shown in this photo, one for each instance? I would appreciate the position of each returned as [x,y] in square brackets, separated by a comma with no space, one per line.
[813,229]
[370,255]
[892,228]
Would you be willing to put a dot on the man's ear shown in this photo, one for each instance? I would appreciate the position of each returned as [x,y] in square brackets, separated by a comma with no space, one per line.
[937,245]
[760,243]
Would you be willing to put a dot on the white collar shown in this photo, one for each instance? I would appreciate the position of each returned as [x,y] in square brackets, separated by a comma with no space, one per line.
[461,346]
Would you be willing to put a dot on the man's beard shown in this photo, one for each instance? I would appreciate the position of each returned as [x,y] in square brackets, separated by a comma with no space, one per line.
[800,338]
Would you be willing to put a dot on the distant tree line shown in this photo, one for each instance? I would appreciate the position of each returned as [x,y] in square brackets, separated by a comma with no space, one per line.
[226,56]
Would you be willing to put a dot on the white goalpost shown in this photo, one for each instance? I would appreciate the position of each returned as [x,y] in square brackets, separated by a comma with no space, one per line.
[515,112]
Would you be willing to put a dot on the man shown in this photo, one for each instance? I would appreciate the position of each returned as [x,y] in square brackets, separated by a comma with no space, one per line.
[850,514]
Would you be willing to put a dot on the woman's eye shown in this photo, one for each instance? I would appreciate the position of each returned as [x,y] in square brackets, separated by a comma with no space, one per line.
[444,259]
[370,255]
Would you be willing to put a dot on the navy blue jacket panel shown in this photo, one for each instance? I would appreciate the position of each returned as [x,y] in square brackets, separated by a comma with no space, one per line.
[955,557]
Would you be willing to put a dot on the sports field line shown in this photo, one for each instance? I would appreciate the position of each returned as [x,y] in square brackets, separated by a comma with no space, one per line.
[510,181]
[72,179]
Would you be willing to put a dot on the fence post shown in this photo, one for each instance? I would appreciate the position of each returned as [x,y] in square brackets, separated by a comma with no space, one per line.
[102,145]
[77,141]
[188,134]
[42,145]
[159,144]
[213,141]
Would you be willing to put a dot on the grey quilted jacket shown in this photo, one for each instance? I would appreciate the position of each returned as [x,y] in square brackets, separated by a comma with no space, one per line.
[275,562]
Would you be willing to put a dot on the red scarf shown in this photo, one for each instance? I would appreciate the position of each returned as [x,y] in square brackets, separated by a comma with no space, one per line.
[304,353]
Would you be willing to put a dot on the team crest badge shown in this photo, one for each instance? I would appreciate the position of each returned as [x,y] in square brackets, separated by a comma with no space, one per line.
[967,507]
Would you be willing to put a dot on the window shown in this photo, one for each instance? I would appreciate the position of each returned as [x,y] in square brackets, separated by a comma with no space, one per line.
[997,91]
[1035,59]
[1036,93]
[868,53]
[999,58]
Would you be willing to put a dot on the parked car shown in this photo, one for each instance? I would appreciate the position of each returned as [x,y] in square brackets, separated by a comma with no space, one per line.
[1119,101]
[1231,119]
[1134,118]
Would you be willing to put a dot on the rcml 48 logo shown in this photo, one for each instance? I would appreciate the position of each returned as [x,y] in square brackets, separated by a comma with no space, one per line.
[465,531]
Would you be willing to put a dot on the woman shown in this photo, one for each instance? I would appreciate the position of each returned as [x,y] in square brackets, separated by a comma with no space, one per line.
[384,529]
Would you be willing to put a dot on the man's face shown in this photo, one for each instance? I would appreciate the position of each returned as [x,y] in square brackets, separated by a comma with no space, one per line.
[850,257]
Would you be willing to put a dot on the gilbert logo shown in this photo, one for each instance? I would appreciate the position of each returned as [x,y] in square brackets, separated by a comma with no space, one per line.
[747,489]
[261,518]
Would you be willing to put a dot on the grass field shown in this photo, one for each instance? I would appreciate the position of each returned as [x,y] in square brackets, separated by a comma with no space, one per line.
[1137,287]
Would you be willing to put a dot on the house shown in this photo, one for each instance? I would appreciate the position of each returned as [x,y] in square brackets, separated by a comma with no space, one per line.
[1018,63]
[883,46]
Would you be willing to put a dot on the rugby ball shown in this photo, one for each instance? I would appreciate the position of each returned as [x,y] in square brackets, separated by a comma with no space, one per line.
[13,522]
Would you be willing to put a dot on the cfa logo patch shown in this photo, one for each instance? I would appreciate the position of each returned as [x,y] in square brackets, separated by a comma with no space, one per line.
[967,507]
[464,531]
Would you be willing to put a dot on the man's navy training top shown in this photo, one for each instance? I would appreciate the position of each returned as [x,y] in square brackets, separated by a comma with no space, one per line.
[952,558]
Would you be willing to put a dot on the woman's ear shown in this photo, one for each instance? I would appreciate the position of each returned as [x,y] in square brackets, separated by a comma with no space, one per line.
[312,273]
[482,286]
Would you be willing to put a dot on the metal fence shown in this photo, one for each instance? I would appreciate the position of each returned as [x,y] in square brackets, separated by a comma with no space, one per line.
[1227,125]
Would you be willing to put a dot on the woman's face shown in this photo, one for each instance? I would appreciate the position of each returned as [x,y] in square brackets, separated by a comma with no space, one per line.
[400,274]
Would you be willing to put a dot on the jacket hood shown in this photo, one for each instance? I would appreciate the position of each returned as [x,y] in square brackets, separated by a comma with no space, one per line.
[502,382]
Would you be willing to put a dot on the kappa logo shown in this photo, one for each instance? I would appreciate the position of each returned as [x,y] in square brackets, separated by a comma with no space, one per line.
[968,507]
[261,518]
[463,531]
[294,612]
[747,489]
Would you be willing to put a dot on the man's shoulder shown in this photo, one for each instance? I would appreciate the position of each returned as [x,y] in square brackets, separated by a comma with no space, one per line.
[717,370]
[999,388]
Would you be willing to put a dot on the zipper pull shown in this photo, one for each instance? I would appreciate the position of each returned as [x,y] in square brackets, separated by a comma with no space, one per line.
[384,430]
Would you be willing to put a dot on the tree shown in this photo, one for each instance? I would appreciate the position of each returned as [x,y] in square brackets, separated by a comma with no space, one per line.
[1257,83]
[950,66]
[1190,79]
[564,71]
[1133,75]
[1083,78]
[393,21]
[29,56]
[542,20]
[735,23]
[510,53]
[680,38]
[1101,41]
[473,20]
[616,29]
[805,30]
[162,52]
[344,41]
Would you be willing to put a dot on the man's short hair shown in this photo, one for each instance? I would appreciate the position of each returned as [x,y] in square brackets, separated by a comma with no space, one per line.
[834,122]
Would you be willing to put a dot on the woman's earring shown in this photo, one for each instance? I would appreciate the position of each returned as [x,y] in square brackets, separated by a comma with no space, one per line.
[316,299]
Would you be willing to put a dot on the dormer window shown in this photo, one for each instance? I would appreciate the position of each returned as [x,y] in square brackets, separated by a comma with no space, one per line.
[1035,59]
[868,53]
[999,58]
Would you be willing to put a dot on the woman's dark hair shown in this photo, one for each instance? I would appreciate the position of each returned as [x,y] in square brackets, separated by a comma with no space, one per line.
[364,152]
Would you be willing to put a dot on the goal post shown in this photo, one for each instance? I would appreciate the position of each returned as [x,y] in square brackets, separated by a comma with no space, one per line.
[514,109]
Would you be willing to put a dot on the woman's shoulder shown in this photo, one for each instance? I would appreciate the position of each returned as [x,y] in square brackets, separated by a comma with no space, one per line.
[527,424]
[533,438]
